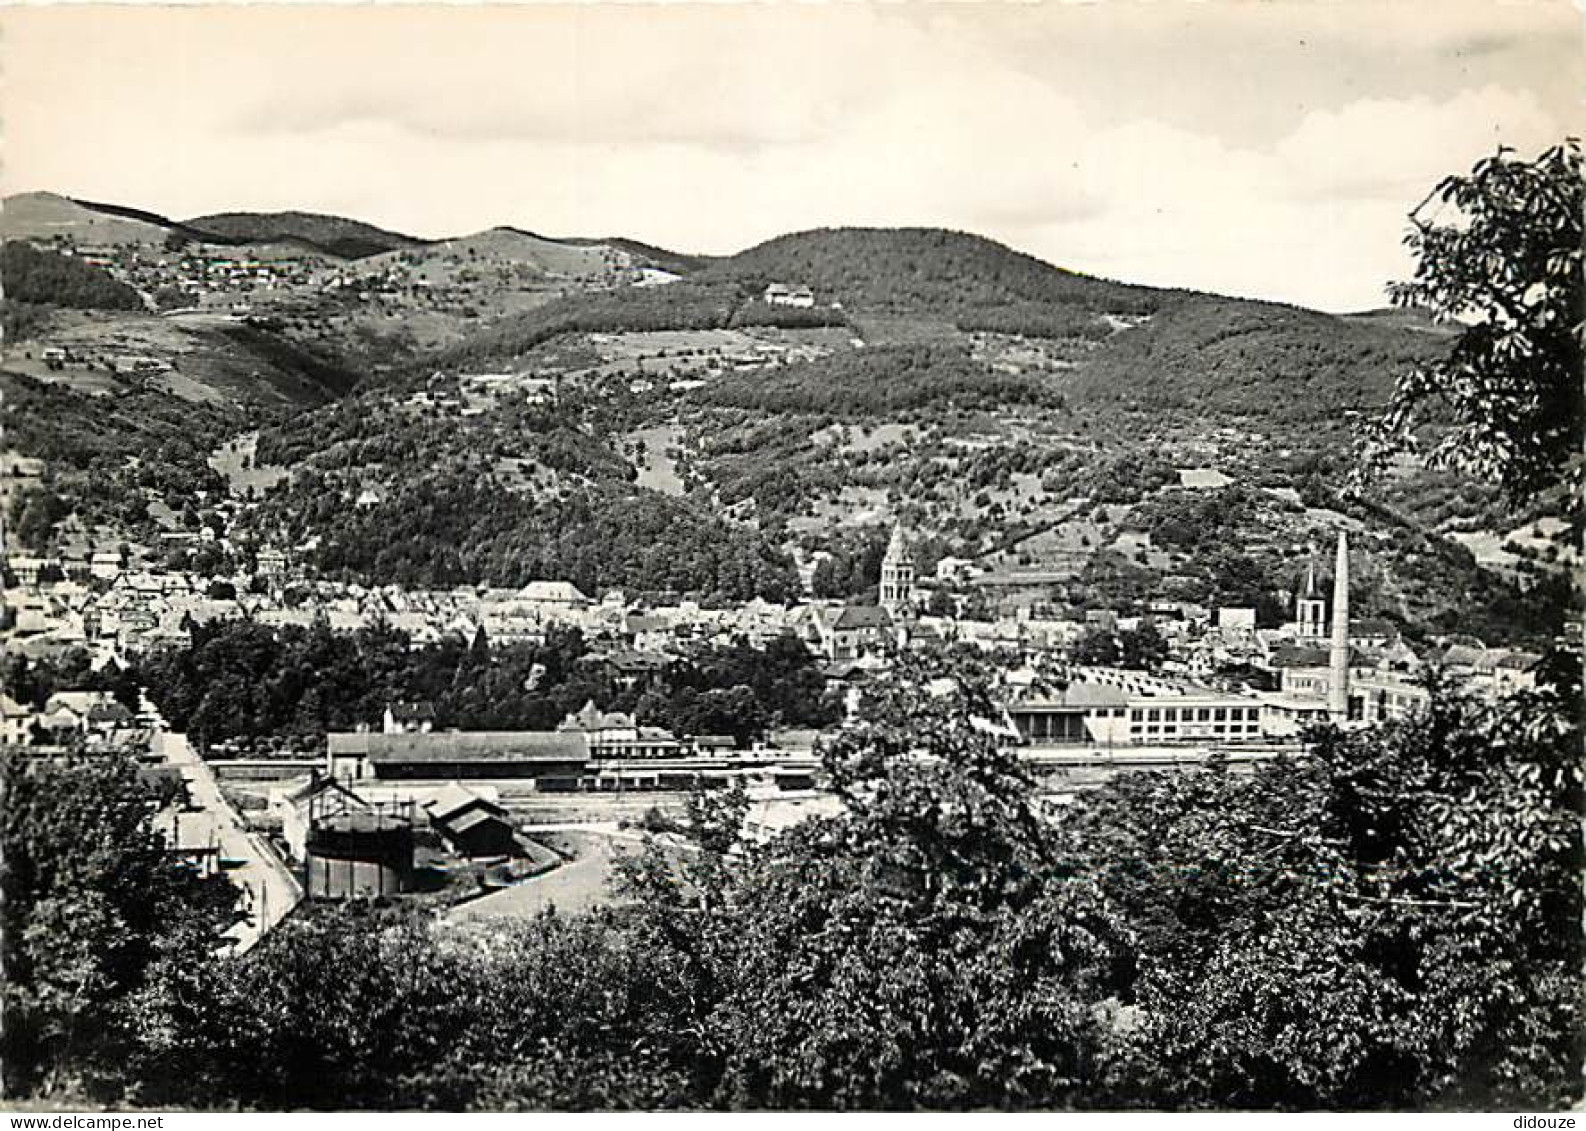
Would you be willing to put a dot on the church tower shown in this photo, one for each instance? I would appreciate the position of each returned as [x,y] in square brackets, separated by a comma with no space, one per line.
[1310,611]
[897,574]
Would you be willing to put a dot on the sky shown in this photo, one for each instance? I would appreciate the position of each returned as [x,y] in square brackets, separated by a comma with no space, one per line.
[1263,149]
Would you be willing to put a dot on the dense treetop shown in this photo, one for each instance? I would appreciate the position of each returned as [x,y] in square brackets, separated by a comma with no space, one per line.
[34,275]
[919,270]
[240,680]
[879,382]
[336,235]
[1498,253]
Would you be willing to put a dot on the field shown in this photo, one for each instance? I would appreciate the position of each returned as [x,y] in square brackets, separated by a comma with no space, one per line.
[44,215]
[234,460]
[657,470]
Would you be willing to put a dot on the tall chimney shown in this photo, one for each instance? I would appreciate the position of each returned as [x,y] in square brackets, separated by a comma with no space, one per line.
[1338,657]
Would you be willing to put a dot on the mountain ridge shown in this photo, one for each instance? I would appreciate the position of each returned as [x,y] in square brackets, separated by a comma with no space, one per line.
[763,260]
[340,236]
[886,283]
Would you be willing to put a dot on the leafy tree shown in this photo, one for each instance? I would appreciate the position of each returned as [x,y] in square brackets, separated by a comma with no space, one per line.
[1098,647]
[1499,254]
[910,953]
[94,909]
[33,275]
[237,679]
[368,1008]
[1392,922]
[1142,648]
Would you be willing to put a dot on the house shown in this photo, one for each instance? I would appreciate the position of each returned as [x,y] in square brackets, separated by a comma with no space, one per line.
[854,631]
[1302,671]
[1236,619]
[108,718]
[420,628]
[1463,658]
[1515,670]
[950,570]
[1373,632]
[1377,696]
[555,595]
[646,632]
[630,668]
[538,390]
[470,823]
[922,636]
[129,364]
[408,718]
[1079,712]
[1202,478]
[105,565]
[615,734]
[16,722]
[781,294]
[270,563]
[75,562]
[60,727]
[85,712]
[25,569]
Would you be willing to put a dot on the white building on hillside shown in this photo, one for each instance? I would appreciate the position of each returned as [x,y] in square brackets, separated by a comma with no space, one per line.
[781,294]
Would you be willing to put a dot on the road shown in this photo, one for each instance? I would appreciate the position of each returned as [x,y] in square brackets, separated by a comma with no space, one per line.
[269,890]
[574,887]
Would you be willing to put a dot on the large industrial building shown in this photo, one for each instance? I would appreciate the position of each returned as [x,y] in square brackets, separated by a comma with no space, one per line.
[449,755]
[1323,677]
[1102,714]
[560,761]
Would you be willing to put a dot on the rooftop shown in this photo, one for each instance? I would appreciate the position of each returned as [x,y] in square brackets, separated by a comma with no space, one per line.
[453,798]
[1076,696]
[462,746]
[863,616]
[461,822]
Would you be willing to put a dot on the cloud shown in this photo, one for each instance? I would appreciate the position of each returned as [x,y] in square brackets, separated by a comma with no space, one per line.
[1380,146]
[591,77]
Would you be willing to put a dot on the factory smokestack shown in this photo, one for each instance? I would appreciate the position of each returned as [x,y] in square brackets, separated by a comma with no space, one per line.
[1338,656]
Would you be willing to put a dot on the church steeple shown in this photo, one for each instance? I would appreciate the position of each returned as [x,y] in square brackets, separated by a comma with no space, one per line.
[897,574]
[1310,611]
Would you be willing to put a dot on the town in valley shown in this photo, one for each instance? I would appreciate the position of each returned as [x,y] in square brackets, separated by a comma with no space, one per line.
[874,668]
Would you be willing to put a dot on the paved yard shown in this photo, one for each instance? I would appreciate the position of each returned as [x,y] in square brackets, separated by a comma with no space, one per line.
[575,887]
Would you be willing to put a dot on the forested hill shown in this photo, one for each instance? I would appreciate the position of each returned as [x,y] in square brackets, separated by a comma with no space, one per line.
[949,280]
[1218,356]
[337,235]
[1117,345]
[29,274]
[914,271]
